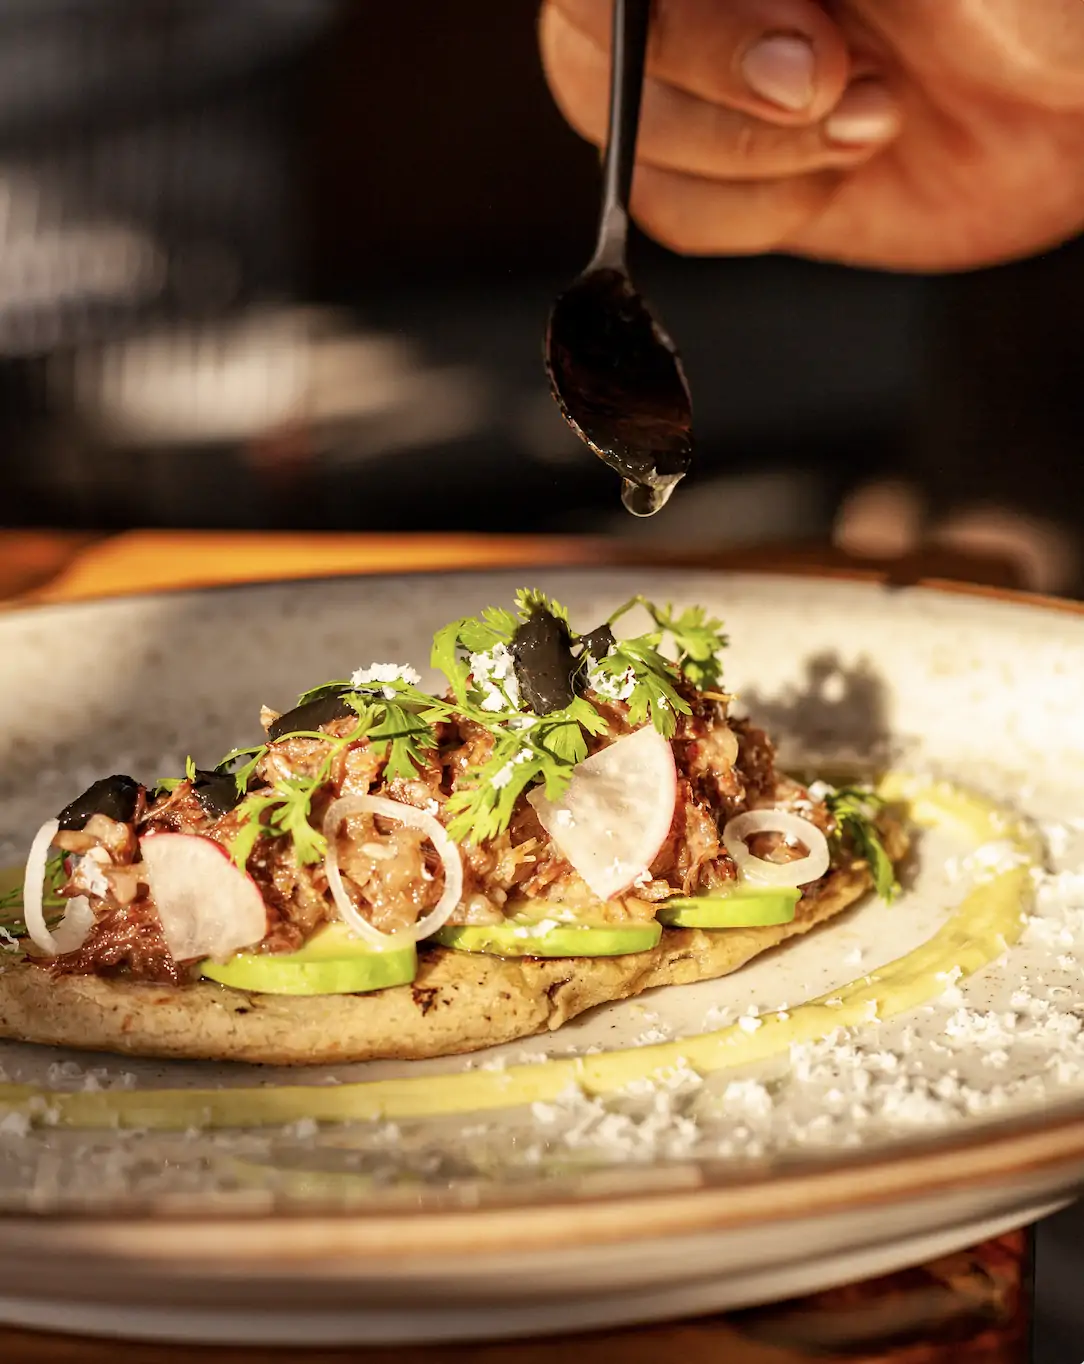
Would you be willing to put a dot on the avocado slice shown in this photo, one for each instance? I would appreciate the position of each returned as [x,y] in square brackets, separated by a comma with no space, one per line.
[743,907]
[547,938]
[333,962]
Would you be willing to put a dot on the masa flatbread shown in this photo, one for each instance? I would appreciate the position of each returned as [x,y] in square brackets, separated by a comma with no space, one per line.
[458,1003]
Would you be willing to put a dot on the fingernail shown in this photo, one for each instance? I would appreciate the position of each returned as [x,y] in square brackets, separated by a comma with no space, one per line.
[780,69]
[866,113]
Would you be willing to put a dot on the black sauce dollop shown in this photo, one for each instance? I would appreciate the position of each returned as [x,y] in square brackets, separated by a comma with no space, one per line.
[216,792]
[597,644]
[311,715]
[116,797]
[545,665]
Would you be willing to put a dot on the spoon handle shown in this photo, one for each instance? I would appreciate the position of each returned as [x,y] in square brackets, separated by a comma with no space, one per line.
[631,19]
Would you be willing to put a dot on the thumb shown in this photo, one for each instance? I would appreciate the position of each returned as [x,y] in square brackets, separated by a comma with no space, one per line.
[783,61]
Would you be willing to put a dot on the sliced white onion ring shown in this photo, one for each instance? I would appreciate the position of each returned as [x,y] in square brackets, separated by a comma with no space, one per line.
[78,918]
[759,872]
[405,814]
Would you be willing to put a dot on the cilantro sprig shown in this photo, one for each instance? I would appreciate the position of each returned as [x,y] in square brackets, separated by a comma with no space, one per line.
[547,752]
[698,638]
[653,694]
[855,810]
[398,726]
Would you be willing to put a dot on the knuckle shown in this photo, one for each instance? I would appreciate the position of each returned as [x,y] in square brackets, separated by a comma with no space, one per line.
[745,143]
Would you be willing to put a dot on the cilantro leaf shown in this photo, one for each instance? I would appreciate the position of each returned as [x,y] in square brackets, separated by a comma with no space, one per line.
[324,689]
[284,810]
[483,807]
[404,736]
[653,694]
[529,600]
[698,638]
[469,635]
[291,817]
[243,775]
[561,733]
[249,829]
[445,657]
[854,809]
[494,626]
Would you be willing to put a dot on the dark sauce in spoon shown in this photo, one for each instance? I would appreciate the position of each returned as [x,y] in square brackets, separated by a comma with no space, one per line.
[619,383]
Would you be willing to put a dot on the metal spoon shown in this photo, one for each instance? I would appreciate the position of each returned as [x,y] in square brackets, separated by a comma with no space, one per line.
[615,373]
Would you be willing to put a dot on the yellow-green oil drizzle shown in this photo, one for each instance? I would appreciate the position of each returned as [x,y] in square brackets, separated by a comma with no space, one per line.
[988,920]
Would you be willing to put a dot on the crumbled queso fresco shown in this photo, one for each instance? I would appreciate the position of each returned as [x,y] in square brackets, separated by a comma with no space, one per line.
[618,688]
[494,674]
[503,776]
[386,672]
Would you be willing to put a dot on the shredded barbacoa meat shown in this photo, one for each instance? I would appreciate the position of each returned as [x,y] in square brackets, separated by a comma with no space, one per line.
[724,767]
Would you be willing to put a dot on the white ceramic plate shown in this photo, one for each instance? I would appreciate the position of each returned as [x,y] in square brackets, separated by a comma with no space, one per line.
[847,1157]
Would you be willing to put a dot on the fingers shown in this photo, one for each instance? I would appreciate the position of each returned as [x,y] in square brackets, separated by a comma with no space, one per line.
[700,217]
[780,60]
[752,115]
[681,132]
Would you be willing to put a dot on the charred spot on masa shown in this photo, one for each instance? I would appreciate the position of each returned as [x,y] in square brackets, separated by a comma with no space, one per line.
[551,990]
[424,998]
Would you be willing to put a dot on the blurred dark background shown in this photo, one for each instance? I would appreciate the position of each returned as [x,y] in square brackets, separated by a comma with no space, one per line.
[286,263]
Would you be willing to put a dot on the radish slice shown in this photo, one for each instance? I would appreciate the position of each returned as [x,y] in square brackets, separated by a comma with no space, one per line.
[78,918]
[617,811]
[759,872]
[208,907]
[417,819]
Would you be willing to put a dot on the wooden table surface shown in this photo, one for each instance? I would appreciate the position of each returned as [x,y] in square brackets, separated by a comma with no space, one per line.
[966,1308]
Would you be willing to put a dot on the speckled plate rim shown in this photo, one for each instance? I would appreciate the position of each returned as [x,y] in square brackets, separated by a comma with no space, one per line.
[1047,1146]
[1047,1157]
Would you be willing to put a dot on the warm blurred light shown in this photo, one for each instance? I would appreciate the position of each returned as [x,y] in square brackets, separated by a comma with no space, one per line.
[239,381]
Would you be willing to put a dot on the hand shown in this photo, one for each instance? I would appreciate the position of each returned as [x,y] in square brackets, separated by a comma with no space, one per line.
[901,134]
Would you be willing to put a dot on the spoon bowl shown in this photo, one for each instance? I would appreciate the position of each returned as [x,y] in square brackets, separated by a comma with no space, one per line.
[619,383]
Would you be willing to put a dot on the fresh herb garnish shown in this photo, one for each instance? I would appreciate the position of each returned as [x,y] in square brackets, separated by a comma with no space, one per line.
[171,783]
[285,808]
[545,751]
[651,691]
[474,654]
[398,726]
[855,809]
[243,774]
[698,637]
